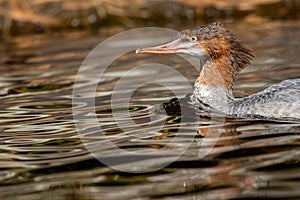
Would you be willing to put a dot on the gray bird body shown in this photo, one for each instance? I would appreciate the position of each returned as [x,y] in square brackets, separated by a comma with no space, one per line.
[222,56]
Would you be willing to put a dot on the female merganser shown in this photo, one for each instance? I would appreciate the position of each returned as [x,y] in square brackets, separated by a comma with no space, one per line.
[222,56]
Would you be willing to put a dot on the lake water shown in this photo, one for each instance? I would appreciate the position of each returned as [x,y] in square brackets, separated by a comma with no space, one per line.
[56,144]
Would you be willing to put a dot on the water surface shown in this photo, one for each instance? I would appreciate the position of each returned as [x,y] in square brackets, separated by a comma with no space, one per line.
[44,157]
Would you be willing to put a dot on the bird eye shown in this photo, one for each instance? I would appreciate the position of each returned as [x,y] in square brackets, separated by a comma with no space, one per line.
[193,39]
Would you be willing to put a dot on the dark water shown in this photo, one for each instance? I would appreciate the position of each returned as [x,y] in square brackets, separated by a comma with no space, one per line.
[44,157]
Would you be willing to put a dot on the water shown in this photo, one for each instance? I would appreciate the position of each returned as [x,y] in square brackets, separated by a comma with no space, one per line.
[44,157]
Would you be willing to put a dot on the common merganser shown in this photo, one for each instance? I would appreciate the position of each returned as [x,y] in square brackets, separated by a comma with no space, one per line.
[222,56]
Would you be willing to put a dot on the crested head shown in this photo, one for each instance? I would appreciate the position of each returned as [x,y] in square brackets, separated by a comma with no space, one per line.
[222,54]
[227,54]
[219,41]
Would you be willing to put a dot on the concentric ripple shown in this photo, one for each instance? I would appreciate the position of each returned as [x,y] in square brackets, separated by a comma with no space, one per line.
[42,156]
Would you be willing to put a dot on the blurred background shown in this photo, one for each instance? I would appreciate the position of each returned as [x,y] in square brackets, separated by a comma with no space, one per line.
[19,17]
[44,42]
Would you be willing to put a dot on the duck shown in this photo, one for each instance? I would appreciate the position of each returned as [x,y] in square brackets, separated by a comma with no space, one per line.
[222,56]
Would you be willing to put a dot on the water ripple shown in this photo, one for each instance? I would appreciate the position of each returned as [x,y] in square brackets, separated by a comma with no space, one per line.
[42,155]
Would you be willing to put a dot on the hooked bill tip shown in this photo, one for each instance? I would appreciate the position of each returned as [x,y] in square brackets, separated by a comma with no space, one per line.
[137,51]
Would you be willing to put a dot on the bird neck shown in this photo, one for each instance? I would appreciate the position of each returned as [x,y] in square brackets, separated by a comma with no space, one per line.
[218,72]
[213,87]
